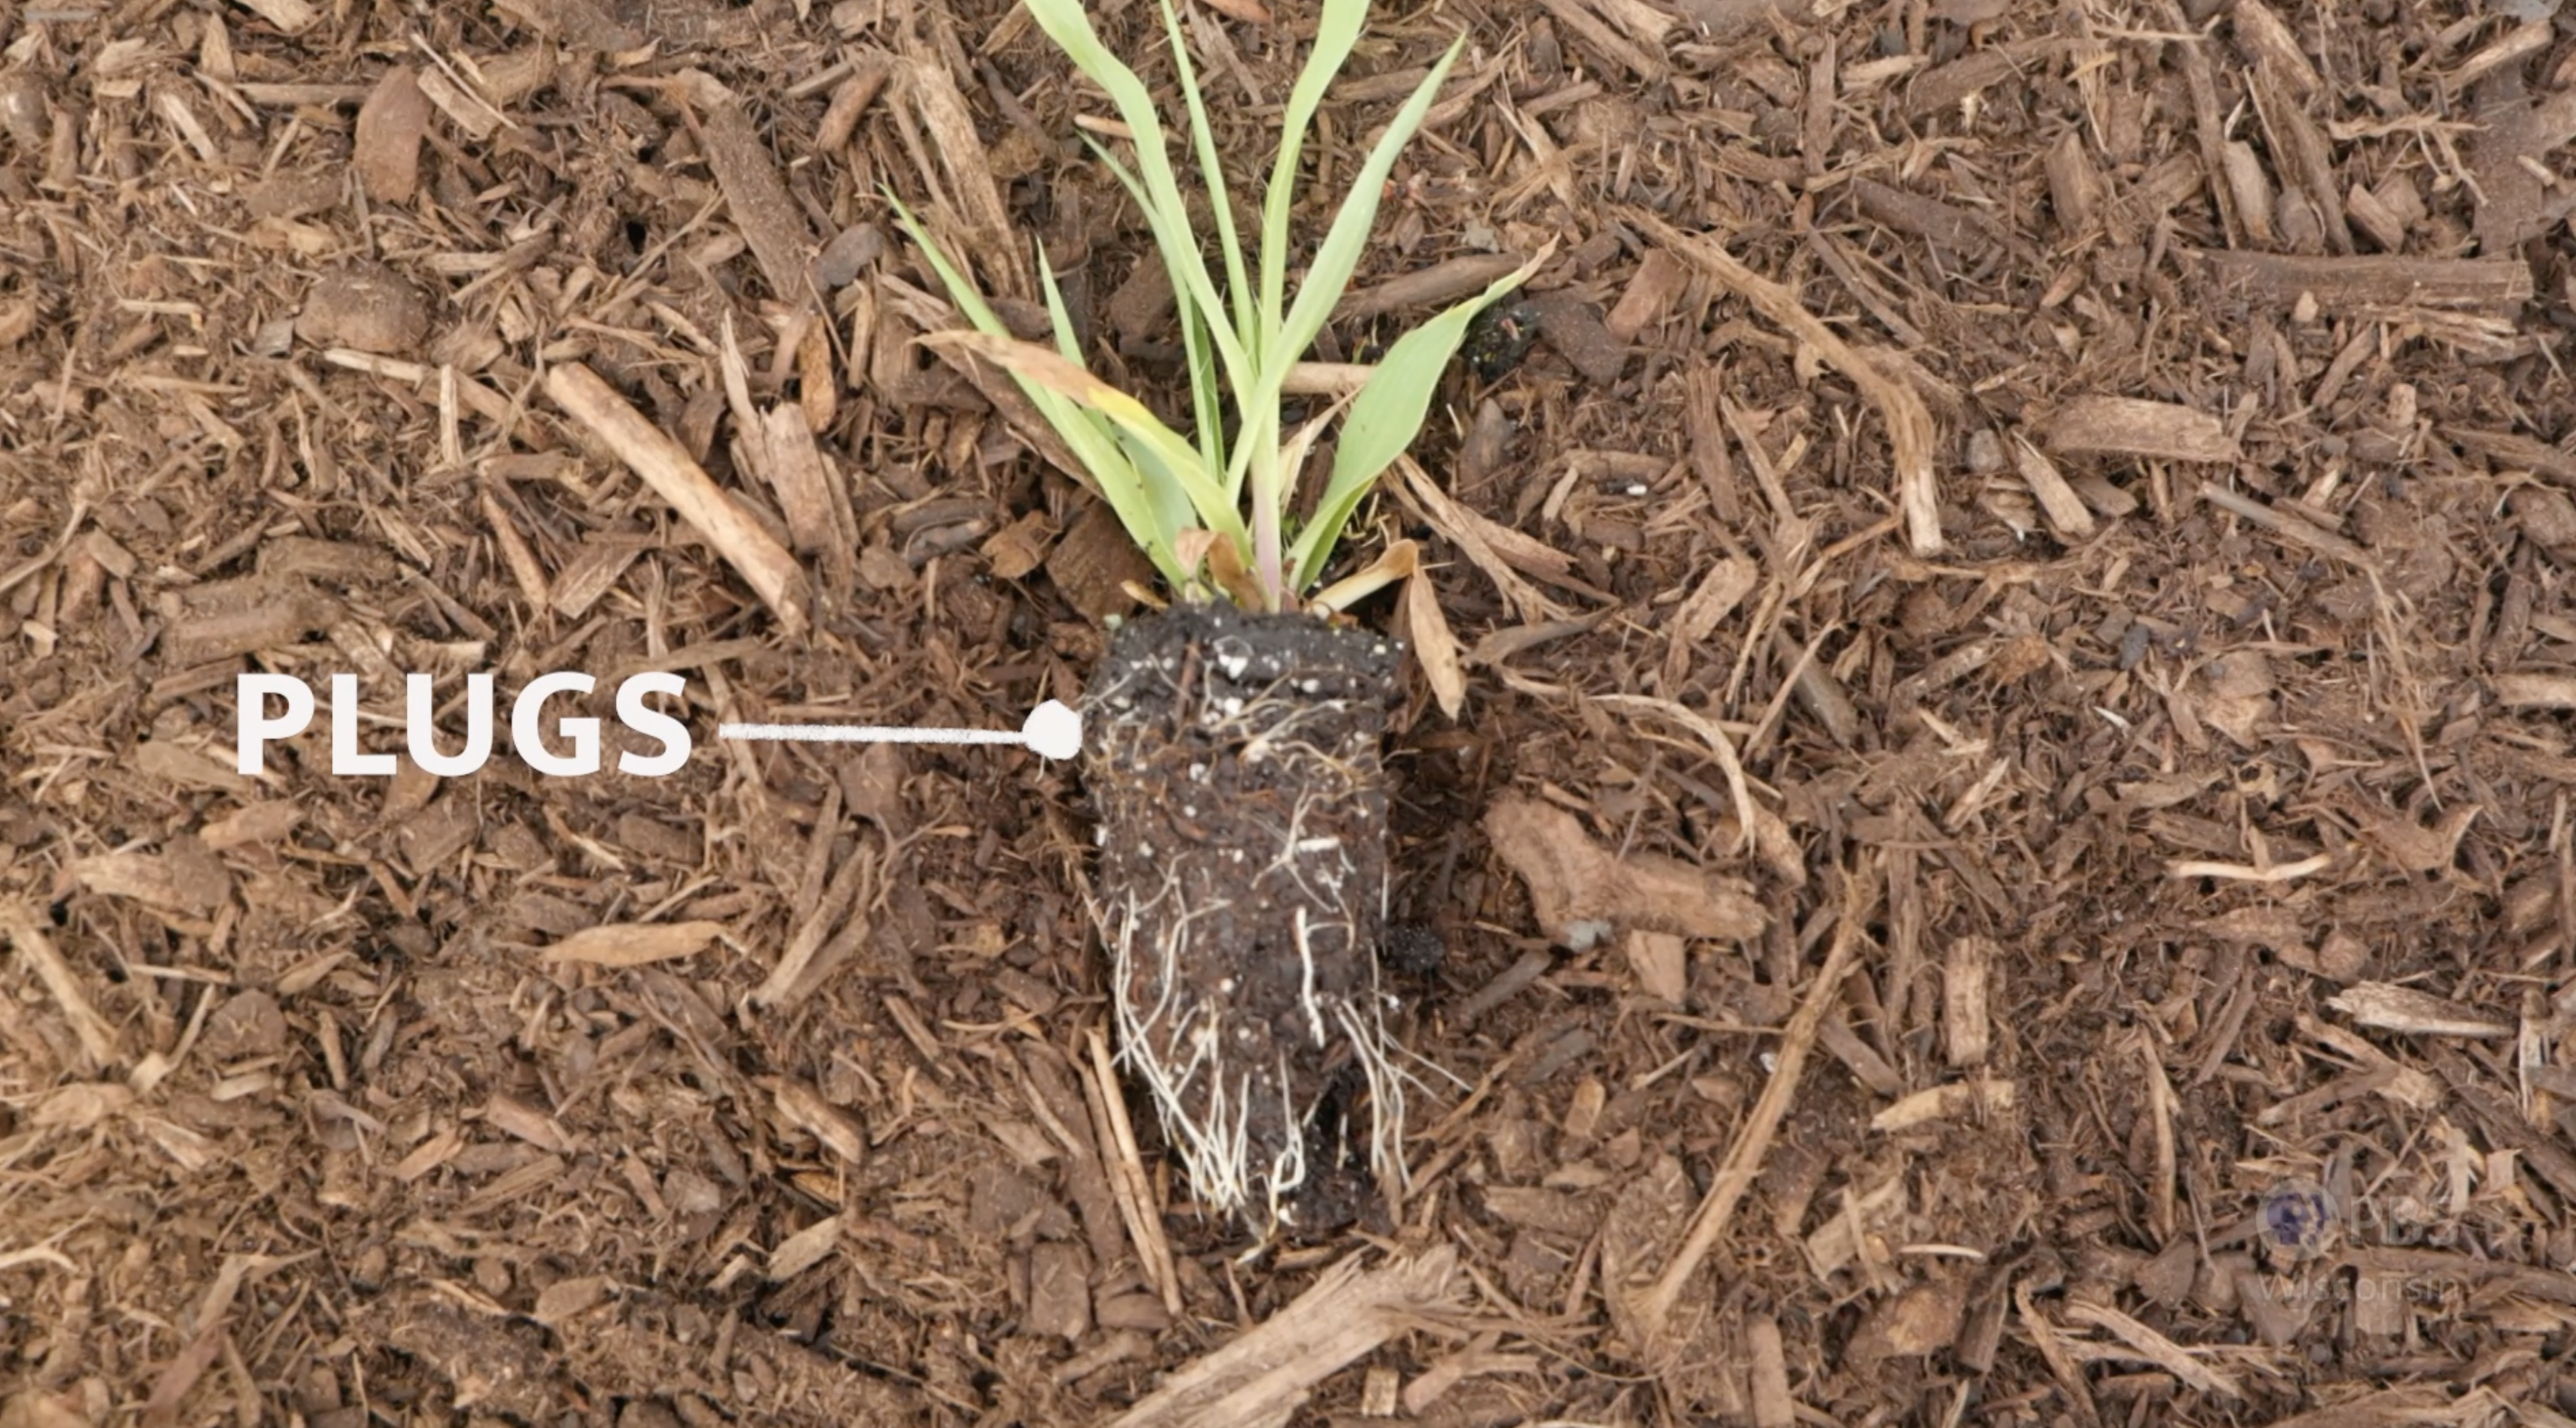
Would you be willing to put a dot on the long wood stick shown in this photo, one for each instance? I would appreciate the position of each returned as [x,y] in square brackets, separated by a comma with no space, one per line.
[679,480]
[1708,1224]
[1127,1182]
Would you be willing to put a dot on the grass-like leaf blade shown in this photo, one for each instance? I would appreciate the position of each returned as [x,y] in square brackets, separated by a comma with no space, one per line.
[1165,211]
[1338,256]
[1047,369]
[1384,419]
[1151,515]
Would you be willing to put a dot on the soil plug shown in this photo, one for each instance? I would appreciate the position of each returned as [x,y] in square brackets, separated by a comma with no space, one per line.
[1233,759]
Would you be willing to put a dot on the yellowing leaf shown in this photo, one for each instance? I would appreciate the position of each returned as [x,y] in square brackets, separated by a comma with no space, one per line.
[1392,564]
[1046,367]
[1434,645]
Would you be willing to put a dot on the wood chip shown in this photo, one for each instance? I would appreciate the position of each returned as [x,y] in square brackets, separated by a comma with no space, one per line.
[391,124]
[2164,1353]
[1433,644]
[1661,961]
[1059,1290]
[428,1155]
[1659,282]
[2343,285]
[1592,33]
[2251,188]
[2130,426]
[2403,1009]
[2516,204]
[187,768]
[633,944]
[1015,550]
[1960,230]
[471,113]
[516,1117]
[1943,1103]
[805,1249]
[757,198]
[679,480]
[1436,286]
[2269,42]
[2289,527]
[593,569]
[1918,1320]
[1701,612]
[2065,509]
[1575,329]
[265,822]
[291,17]
[1581,892]
[558,1303]
[956,146]
[2075,186]
[1095,566]
[97,1036]
[1967,992]
[1262,1377]
[1774,1406]
[173,880]
[797,474]
[2374,216]
[2537,689]
[804,1107]
[365,306]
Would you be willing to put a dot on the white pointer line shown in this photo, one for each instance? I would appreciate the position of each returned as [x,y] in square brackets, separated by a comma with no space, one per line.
[1051,731]
[866,734]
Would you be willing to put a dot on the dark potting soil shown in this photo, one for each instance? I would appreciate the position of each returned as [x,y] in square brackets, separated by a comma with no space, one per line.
[1234,763]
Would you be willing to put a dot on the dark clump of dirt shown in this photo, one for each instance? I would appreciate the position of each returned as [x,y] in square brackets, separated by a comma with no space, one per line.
[1234,761]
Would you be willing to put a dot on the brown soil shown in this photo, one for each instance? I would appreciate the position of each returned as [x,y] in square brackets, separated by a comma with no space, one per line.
[1235,765]
[2067,504]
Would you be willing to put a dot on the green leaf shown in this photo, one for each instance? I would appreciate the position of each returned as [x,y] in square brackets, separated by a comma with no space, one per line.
[1212,174]
[1152,518]
[1337,31]
[1385,418]
[1338,257]
[1339,254]
[1158,190]
[961,289]
[1170,455]
[1148,503]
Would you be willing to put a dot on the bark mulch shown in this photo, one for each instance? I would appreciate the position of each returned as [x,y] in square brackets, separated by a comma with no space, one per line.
[2004,856]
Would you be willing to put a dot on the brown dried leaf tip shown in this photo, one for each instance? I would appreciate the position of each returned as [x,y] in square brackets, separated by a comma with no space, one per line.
[1233,759]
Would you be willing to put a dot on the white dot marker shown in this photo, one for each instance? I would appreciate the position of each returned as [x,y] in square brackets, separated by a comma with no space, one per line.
[1052,731]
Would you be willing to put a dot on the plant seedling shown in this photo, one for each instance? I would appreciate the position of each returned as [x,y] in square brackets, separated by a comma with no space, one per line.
[1232,741]
[1202,503]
